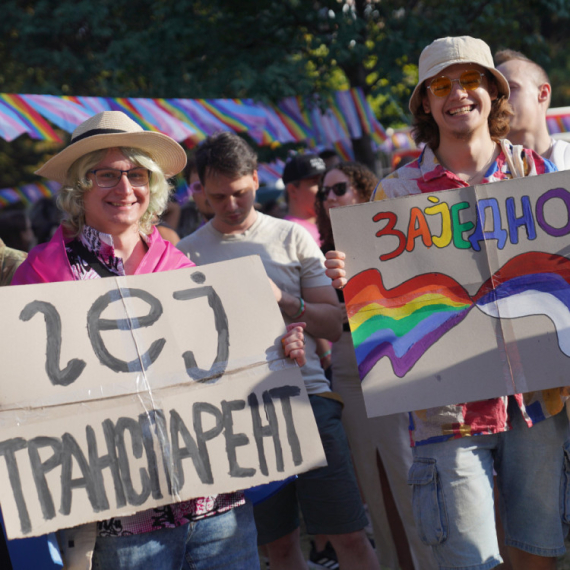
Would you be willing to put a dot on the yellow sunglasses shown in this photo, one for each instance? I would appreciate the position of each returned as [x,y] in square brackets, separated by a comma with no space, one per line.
[469,80]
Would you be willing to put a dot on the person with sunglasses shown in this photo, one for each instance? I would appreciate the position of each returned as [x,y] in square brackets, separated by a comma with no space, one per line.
[114,178]
[346,184]
[461,112]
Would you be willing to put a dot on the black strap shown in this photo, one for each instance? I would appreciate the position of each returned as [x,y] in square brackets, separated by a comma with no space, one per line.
[82,252]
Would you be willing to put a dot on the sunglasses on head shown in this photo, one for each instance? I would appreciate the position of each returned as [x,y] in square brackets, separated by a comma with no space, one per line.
[339,190]
[469,80]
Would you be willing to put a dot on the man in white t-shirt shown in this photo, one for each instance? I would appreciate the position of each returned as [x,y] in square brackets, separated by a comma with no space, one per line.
[328,496]
[530,99]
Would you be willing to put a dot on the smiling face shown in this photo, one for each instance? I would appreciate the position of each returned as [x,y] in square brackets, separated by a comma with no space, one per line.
[463,113]
[119,209]
[331,200]
[232,201]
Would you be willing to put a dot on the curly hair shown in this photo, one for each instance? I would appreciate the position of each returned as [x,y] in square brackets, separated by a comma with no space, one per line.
[425,129]
[70,196]
[361,179]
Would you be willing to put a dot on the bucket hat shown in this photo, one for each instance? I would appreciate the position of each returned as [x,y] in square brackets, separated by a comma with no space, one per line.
[111,129]
[444,52]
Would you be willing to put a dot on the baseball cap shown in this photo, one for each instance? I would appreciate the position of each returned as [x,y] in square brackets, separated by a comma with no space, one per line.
[303,166]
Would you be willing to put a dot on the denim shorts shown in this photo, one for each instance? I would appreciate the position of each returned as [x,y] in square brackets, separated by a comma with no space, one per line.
[453,493]
[328,496]
[221,542]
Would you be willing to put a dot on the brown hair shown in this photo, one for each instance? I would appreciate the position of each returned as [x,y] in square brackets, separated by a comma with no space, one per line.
[539,74]
[361,179]
[505,55]
[425,129]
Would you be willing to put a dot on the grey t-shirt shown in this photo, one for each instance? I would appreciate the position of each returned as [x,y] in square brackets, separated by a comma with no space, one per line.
[291,259]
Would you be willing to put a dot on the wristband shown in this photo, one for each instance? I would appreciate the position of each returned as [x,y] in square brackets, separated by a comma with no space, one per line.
[301,310]
[325,354]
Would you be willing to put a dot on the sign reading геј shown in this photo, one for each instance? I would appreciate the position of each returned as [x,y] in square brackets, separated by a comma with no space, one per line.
[128,393]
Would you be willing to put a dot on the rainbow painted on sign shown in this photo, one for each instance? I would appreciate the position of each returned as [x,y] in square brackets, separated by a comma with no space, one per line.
[404,322]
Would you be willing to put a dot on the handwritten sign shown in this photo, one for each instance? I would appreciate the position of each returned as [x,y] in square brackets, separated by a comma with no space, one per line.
[460,295]
[127,393]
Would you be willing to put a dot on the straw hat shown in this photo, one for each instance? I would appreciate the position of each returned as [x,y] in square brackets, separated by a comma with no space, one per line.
[111,129]
[448,51]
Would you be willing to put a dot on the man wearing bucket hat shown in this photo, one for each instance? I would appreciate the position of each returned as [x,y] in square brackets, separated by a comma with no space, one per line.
[461,111]
[114,184]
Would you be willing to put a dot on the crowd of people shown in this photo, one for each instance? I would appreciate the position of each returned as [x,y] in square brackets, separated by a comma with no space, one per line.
[482,484]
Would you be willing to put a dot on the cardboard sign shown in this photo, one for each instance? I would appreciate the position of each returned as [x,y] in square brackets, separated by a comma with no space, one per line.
[460,295]
[127,393]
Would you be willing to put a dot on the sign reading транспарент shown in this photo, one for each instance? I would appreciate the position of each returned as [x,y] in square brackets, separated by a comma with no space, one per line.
[128,393]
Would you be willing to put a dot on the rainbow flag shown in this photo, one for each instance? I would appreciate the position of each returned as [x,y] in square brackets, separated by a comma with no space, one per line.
[198,115]
[343,105]
[217,108]
[67,115]
[369,122]
[10,196]
[11,126]
[297,131]
[163,121]
[123,104]
[344,150]
[91,105]
[176,110]
[37,127]
[404,322]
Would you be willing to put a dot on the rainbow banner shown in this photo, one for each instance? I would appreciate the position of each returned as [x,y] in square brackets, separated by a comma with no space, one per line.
[11,126]
[66,114]
[347,116]
[347,110]
[175,109]
[369,122]
[558,120]
[164,121]
[37,126]
[92,105]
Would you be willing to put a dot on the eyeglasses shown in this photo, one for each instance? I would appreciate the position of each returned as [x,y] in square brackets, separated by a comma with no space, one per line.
[195,188]
[339,189]
[110,177]
[469,80]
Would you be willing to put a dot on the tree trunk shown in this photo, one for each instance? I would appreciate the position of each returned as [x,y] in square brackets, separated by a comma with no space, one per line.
[363,151]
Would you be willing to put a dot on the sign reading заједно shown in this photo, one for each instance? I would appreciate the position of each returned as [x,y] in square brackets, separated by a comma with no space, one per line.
[128,393]
[460,295]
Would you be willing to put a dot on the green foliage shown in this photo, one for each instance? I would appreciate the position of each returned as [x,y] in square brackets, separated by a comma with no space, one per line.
[261,49]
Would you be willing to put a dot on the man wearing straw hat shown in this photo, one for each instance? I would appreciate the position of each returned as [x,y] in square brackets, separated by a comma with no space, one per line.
[114,180]
[461,111]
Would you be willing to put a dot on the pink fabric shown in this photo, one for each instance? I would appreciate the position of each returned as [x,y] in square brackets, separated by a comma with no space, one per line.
[309,226]
[48,262]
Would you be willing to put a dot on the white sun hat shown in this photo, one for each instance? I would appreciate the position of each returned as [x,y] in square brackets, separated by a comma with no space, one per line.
[111,129]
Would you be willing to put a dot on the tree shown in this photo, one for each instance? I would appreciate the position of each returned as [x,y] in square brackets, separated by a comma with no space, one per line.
[262,49]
